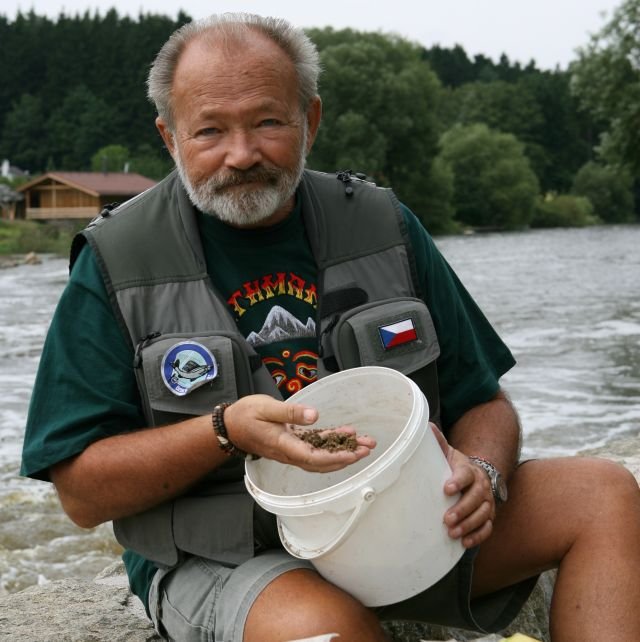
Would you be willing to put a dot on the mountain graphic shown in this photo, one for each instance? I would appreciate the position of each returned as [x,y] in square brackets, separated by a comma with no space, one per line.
[280,325]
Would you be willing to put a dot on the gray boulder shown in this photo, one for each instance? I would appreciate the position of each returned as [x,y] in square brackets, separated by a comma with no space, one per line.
[74,610]
[104,610]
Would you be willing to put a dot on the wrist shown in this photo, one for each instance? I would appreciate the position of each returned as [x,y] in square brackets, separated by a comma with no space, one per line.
[220,430]
[496,480]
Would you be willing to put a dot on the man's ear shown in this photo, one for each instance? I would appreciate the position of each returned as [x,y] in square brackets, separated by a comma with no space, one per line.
[314,116]
[167,135]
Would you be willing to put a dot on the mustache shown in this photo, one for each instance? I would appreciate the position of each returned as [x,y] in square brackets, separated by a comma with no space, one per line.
[233,177]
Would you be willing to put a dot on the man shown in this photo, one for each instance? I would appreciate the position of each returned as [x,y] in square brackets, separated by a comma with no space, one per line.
[238,292]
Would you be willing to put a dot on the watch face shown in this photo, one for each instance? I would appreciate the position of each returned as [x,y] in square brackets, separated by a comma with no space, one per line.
[500,487]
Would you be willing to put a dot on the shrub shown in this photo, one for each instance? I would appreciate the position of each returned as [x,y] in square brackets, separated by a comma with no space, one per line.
[610,190]
[564,210]
[494,185]
[21,237]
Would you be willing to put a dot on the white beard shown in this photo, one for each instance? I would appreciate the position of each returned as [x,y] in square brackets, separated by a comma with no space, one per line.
[246,204]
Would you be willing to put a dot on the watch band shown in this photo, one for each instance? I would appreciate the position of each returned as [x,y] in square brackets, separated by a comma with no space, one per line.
[483,463]
[498,484]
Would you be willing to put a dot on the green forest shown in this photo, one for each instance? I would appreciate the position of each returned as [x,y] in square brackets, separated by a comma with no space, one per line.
[466,142]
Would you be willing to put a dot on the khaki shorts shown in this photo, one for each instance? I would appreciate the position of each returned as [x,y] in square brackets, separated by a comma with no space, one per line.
[202,600]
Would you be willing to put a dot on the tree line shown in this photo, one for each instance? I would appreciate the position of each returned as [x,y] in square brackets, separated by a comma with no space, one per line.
[464,142]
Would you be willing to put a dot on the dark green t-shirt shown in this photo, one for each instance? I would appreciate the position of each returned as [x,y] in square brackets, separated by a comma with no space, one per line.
[86,389]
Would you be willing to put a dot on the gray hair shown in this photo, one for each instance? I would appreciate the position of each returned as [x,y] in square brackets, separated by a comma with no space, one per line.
[224,29]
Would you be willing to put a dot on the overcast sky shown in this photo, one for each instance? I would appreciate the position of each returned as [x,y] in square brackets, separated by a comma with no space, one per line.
[547,31]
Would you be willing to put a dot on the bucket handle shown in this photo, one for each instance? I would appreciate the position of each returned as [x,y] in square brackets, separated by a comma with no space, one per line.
[367,495]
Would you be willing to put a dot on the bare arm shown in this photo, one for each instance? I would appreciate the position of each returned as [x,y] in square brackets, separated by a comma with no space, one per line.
[128,473]
[492,431]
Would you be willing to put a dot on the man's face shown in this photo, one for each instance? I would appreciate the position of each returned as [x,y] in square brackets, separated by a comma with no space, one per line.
[240,137]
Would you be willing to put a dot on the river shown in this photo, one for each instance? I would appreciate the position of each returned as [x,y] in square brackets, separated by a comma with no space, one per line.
[566,301]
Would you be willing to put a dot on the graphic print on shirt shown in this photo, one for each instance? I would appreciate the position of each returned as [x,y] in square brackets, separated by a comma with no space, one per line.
[276,313]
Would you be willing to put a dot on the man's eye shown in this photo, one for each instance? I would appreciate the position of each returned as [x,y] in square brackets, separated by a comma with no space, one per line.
[270,122]
[208,131]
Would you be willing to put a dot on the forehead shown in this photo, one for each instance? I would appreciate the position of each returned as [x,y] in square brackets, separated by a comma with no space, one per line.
[232,69]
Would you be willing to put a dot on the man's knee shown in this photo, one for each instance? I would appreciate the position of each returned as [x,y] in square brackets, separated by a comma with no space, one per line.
[607,480]
[597,493]
[615,486]
[301,604]
[552,502]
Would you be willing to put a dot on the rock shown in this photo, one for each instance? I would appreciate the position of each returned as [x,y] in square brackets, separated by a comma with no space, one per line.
[625,451]
[74,610]
[14,261]
[104,610]
[9,262]
[32,259]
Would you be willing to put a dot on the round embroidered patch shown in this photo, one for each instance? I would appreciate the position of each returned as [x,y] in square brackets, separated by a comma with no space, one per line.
[186,366]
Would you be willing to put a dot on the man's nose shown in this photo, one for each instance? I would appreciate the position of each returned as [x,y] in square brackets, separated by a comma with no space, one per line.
[242,150]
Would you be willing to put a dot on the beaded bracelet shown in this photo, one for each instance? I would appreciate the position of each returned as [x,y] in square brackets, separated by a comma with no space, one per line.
[220,430]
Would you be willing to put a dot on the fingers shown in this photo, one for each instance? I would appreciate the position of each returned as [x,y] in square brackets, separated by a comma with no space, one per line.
[269,409]
[300,415]
[471,517]
[299,452]
[473,529]
[264,426]
[313,459]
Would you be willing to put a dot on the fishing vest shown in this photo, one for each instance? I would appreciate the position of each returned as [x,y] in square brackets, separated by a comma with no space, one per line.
[152,261]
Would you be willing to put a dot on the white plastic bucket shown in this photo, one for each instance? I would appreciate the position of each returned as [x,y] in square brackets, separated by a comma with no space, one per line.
[374,528]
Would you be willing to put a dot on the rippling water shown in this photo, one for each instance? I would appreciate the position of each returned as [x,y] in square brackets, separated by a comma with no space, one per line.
[38,543]
[567,302]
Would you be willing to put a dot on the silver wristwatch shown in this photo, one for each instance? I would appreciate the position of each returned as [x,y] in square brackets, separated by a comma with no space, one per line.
[498,484]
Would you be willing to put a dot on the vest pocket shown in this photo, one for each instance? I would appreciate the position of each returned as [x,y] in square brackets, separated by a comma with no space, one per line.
[395,333]
[188,374]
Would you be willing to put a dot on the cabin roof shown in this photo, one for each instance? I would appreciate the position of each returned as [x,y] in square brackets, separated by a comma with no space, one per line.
[97,183]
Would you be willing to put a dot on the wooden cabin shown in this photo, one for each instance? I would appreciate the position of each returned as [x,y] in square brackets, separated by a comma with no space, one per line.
[72,195]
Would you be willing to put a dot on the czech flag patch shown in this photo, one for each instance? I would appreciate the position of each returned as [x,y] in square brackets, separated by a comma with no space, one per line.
[397,334]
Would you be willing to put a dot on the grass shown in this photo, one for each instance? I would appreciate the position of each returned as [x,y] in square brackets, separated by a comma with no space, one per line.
[42,237]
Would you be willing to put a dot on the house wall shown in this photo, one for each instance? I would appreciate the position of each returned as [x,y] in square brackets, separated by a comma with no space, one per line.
[52,200]
[49,198]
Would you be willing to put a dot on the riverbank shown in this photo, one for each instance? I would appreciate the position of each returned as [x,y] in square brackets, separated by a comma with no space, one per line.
[104,610]
[19,238]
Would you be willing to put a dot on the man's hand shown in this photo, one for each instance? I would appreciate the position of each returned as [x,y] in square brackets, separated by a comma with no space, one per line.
[263,426]
[471,517]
